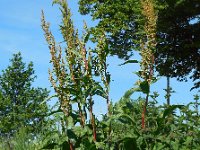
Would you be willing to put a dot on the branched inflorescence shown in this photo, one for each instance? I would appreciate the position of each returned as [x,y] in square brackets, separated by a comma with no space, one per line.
[72,76]
[148,42]
[148,45]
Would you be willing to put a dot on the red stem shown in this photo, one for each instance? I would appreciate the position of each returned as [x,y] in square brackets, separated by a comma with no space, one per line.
[147,96]
[92,119]
[144,111]
[81,115]
[71,145]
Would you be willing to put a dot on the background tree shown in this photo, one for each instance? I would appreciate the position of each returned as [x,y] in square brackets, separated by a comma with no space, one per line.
[20,102]
[178,31]
[178,27]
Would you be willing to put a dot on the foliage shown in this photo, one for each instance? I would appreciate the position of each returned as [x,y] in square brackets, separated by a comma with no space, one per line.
[167,127]
[21,140]
[79,75]
[19,101]
[177,32]
[113,18]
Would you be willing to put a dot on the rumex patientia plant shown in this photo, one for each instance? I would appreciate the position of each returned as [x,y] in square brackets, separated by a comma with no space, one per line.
[147,47]
[73,74]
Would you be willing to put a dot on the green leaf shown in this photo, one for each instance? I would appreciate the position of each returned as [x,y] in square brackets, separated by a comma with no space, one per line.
[71,134]
[170,109]
[54,112]
[56,2]
[100,145]
[96,89]
[88,145]
[48,98]
[129,61]
[86,38]
[129,142]
[159,146]
[50,146]
[128,118]
[70,122]
[79,131]
[130,92]
[145,87]
[65,145]
[188,141]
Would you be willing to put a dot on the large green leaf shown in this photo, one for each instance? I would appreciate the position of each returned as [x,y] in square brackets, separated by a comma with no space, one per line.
[48,98]
[145,88]
[65,145]
[50,146]
[128,143]
[71,134]
[128,119]
[130,92]
[96,89]
[170,110]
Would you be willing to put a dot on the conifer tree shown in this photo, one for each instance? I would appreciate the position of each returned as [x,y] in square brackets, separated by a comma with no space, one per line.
[19,100]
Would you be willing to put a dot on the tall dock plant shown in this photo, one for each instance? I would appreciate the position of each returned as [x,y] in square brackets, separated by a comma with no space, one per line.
[147,49]
[72,76]
[146,45]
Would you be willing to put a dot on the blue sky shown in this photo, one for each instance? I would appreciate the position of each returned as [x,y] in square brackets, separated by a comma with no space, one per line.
[20,30]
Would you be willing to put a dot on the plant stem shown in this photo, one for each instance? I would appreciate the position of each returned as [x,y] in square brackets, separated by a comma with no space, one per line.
[148,44]
[82,122]
[144,111]
[92,118]
[168,90]
[71,145]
